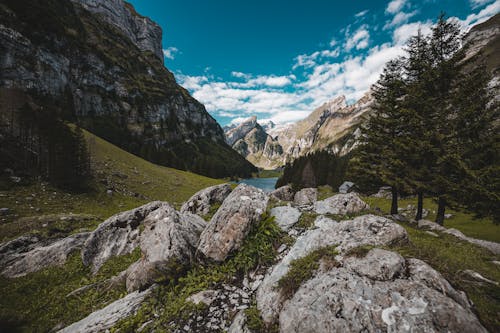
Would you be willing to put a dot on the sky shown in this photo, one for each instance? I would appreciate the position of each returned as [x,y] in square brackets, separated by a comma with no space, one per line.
[281,59]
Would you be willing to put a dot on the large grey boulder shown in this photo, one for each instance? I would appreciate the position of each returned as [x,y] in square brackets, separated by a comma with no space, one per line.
[306,196]
[232,222]
[346,187]
[116,236]
[493,247]
[346,235]
[202,200]
[285,216]
[284,193]
[341,204]
[379,293]
[28,258]
[107,317]
[167,243]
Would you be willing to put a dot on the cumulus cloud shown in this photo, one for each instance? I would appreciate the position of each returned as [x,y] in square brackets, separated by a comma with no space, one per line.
[401,34]
[170,52]
[399,18]
[359,39]
[479,3]
[395,6]
[483,15]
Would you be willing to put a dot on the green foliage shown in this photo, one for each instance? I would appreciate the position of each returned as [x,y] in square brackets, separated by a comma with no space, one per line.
[39,301]
[306,220]
[303,269]
[256,324]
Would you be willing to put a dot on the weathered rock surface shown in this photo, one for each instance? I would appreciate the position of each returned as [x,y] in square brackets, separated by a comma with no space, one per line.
[426,224]
[238,325]
[206,297]
[117,235]
[346,187]
[306,196]
[341,204]
[362,230]
[202,200]
[285,216]
[107,317]
[29,258]
[231,223]
[354,298]
[284,193]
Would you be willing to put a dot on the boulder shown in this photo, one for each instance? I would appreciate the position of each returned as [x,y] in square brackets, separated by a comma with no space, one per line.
[346,187]
[29,257]
[383,192]
[206,297]
[239,323]
[306,196]
[107,317]
[116,236]
[341,204]
[202,200]
[284,193]
[285,216]
[493,247]
[353,298]
[232,222]
[429,225]
[362,230]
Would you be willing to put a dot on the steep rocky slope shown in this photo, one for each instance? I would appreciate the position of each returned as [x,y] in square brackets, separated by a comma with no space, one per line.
[100,63]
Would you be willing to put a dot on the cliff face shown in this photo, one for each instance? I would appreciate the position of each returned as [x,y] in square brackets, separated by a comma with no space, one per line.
[99,63]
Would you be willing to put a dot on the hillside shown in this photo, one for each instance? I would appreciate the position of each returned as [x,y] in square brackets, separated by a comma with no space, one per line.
[121,181]
[101,64]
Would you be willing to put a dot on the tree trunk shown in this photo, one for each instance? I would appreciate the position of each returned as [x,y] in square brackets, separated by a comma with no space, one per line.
[420,206]
[440,211]
[394,204]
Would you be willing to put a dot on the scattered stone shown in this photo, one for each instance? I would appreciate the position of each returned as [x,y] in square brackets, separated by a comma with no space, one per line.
[306,196]
[323,222]
[232,222]
[284,193]
[4,211]
[491,246]
[346,187]
[239,324]
[341,204]
[109,192]
[285,216]
[448,216]
[202,200]
[425,224]
[107,317]
[383,192]
[431,233]
[477,277]
[206,297]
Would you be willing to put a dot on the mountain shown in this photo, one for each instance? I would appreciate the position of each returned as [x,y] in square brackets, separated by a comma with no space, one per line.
[251,140]
[100,64]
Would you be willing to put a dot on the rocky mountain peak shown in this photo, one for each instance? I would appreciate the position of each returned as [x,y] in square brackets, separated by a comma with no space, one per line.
[235,133]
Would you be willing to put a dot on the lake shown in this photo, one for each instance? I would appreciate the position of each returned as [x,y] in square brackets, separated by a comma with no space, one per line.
[266,184]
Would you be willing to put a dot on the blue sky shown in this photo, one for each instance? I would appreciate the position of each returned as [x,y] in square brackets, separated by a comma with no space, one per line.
[281,59]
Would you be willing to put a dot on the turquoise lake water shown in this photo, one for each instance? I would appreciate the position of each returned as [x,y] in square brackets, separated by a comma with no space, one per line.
[266,184]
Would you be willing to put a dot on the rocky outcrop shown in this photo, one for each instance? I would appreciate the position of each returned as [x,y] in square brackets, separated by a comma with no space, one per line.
[378,293]
[306,196]
[341,204]
[22,256]
[232,222]
[284,193]
[285,216]
[202,200]
[107,317]
[345,235]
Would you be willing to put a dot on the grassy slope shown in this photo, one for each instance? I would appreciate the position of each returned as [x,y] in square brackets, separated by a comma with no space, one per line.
[134,182]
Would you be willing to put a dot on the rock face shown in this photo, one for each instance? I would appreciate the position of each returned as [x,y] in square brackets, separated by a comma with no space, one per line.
[102,320]
[202,200]
[382,292]
[251,141]
[101,63]
[306,196]
[20,257]
[363,230]
[284,193]
[229,226]
[286,216]
[341,204]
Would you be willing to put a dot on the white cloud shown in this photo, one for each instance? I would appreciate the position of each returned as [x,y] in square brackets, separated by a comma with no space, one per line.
[483,15]
[359,39]
[479,3]
[399,18]
[401,34]
[310,60]
[395,6]
[170,52]
[361,13]
[240,75]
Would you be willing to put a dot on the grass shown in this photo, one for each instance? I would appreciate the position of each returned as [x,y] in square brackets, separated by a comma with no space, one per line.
[38,302]
[325,192]
[133,180]
[256,324]
[269,173]
[306,220]
[482,228]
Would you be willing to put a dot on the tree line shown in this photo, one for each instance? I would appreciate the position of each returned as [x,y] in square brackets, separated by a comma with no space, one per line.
[434,129]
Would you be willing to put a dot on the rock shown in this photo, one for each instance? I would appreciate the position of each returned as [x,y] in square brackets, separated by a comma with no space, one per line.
[206,297]
[168,243]
[491,246]
[431,233]
[354,299]
[323,222]
[202,200]
[425,224]
[448,216]
[16,263]
[346,187]
[116,236]
[286,216]
[4,211]
[232,222]
[107,317]
[239,323]
[284,193]
[306,196]
[384,192]
[341,204]
[109,192]
[475,276]
[346,235]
